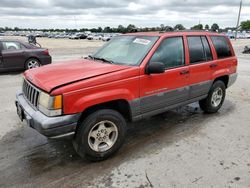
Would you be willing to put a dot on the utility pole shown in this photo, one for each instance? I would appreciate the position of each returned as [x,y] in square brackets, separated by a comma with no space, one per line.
[238,21]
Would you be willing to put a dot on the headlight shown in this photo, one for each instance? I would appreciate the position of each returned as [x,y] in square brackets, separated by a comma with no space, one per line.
[50,105]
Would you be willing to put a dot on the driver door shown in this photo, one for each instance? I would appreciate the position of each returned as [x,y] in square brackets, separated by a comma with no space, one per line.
[160,91]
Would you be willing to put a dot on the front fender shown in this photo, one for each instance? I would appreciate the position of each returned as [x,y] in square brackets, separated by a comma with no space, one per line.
[86,101]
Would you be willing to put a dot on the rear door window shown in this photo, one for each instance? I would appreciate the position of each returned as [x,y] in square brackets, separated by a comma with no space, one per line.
[10,46]
[199,50]
[207,49]
[221,46]
[196,51]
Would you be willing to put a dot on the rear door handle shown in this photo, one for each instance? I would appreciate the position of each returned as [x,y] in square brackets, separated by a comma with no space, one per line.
[213,65]
[184,72]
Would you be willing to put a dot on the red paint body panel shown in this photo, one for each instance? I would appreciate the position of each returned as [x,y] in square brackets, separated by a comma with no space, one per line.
[123,84]
[85,83]
[170,80]
[51,76]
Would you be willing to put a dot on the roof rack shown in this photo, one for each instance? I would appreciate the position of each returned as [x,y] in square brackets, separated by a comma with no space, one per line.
[186,30]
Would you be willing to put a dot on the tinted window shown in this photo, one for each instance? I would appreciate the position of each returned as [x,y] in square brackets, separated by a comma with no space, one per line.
[207,49]
[11,46]
[199,50]
[221,46]
[170,52]
[196,51]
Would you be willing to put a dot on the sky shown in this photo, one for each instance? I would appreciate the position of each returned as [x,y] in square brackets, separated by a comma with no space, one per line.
[142,13]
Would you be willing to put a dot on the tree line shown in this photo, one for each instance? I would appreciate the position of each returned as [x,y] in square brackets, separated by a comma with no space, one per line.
[245,25]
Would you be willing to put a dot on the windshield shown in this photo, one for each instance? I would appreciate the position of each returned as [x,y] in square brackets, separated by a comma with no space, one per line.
[126,50]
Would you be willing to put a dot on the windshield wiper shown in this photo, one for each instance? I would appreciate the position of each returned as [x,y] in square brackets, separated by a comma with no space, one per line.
[101,59]
[104,60]
[89,57]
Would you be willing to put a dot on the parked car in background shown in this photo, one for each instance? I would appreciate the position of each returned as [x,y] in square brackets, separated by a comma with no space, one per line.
[78,36]
[51,36]
[19,55]
[98,37]
[106,38]
[132,77]
[61,36]
[90,37]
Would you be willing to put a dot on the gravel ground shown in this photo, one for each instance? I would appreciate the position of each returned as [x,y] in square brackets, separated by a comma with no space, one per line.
[180,148]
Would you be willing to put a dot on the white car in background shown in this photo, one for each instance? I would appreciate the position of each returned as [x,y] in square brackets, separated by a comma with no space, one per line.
[97,37]
[106,38]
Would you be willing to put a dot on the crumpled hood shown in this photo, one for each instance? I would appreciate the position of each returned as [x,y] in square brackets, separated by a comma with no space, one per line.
[56,75]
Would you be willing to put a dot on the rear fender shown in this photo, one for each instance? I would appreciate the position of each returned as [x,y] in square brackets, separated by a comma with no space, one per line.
[222,72]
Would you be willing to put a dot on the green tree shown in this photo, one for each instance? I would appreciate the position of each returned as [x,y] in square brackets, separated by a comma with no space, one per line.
[8,29]
[245,25]
[215,27]
[99,30]
[121,29]
[179,27]
[207,27]
[107,30]
[16,29]
[168,28]
[131,28]
[197,27]
[162,26]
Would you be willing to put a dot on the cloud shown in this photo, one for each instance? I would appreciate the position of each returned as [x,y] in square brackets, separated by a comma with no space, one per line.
[94,13]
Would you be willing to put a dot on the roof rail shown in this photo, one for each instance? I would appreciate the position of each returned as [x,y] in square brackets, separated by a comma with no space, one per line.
[186,30]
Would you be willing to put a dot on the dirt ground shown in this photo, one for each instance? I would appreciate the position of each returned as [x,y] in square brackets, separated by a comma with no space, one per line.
[180,148]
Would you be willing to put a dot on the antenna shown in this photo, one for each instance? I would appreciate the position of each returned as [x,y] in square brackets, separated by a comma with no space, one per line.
[238,21]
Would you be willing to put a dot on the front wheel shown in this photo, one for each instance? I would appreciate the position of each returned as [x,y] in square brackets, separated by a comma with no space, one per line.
[215,98]
[100,135]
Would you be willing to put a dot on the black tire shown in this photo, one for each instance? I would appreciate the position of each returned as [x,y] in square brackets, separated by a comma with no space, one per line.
[207,104]
[29,60]
[81,141]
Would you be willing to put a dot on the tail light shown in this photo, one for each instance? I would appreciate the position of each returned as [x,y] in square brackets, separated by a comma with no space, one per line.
[46,52]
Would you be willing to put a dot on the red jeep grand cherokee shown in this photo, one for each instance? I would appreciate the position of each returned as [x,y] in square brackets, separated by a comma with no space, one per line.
[131,77]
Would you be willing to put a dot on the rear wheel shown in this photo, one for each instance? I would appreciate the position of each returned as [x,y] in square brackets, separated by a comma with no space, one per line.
[215,98]
[100,135]
[32,63]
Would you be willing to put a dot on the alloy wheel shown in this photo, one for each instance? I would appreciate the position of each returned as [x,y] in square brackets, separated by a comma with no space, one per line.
[102,136]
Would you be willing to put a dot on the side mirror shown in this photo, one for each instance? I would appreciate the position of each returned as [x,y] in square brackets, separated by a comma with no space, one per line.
[155,68]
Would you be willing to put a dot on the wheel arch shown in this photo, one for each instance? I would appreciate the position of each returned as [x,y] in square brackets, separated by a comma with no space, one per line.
[31,57]
[223,78]
[120,105]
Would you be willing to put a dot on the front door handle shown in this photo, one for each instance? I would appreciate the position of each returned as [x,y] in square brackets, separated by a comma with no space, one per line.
[213,65]
[184,72]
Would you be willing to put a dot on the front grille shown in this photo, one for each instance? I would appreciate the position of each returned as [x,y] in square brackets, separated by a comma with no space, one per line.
[31,93]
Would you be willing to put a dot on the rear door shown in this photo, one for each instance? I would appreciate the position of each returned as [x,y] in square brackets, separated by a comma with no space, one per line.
[200,66]
[13,55]
[159,91]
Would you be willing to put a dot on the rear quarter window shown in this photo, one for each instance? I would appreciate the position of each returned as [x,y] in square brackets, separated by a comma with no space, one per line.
[10,46]
[221,46]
